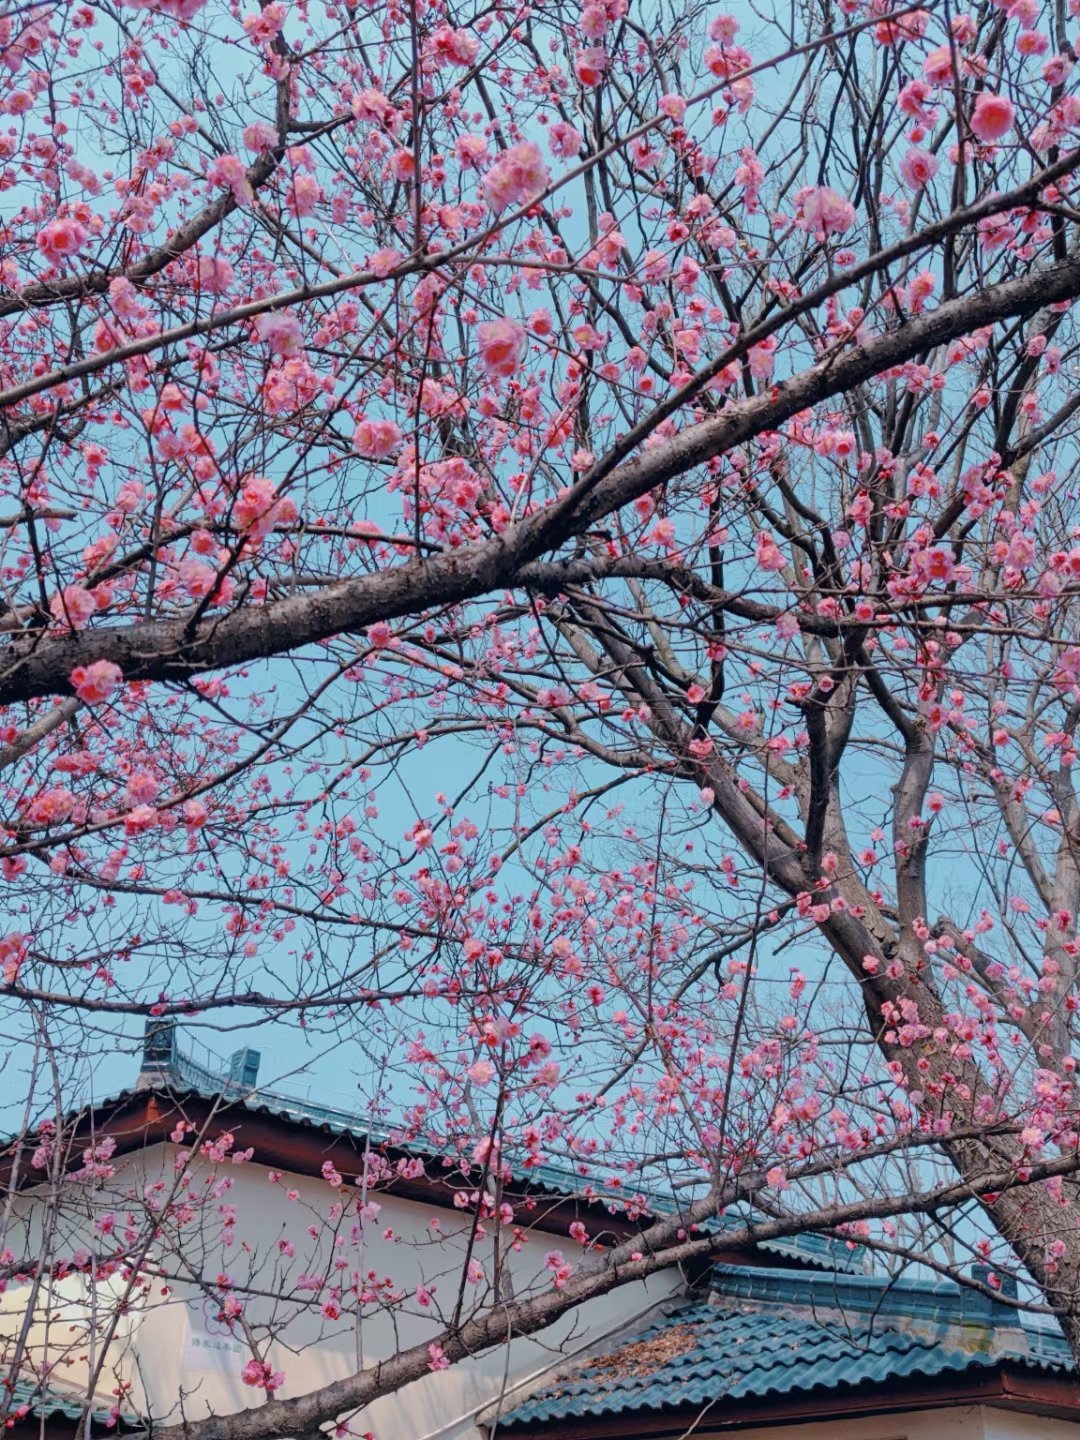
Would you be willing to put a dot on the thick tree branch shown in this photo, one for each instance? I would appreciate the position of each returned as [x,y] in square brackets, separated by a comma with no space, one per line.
[41,664]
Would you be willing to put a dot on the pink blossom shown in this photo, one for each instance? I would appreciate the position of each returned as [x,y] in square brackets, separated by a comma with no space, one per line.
[912,101]
[688,344]
[723,28]
[594,22]
[195,576]
[372,105]
[383,261]
[935,565]
[516,178]
[375,439]
[453,47]
[258,508]
[750,175]
[995,231]
[471,150]
[992,117]
[918,168]
[1032,42]
[195,814]
[1057,69]
[673,106]
[1021,551]
[938,65]
[28,43]
[61,239]
[563,140]
[305,195]
[256,497]
[260,136]
[141,787]
[654,266]
[141,819]
[124,299]
[437,1357]
[266,23]
[726,61]
[13,949]
[589,66]
[760,358]
[1068,671]
[280,330]
[822,211]
[95,683]
[178,9]
[588,337]
[230,173]
[862,508]
[51,807]
[911,26]
[214,274]
[922,287]
[73,606]
[261,1373]
[561,1271]
[501,344]
[767,553]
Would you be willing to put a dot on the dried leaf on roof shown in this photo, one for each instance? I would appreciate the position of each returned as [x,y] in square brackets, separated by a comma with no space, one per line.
[644,1357]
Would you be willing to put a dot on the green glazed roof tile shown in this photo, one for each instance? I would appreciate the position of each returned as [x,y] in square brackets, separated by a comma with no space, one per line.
[45,1402]
[794,1339]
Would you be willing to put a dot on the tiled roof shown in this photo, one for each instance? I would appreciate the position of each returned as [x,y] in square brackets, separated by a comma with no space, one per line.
[770,1333]
[47,1403]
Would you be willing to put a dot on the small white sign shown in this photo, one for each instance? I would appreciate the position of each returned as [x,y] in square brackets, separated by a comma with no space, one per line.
[208,1342]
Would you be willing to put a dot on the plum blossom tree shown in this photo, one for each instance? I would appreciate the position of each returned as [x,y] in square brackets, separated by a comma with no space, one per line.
[542,550]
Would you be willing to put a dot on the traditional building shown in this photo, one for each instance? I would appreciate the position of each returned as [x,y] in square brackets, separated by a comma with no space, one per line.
[771,1352]
[798,1338]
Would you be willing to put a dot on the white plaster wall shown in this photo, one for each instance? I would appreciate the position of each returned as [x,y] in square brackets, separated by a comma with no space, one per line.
[961,1423]
[178,1366]
[969,1422]
[1009,1425]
